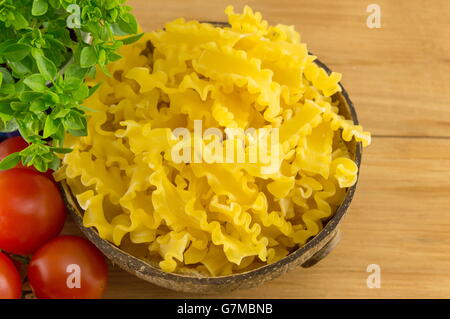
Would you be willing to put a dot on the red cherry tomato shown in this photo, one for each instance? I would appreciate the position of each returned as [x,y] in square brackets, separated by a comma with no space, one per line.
[12,145]
[31,211]
[16,144]
[10,283]
[68,267]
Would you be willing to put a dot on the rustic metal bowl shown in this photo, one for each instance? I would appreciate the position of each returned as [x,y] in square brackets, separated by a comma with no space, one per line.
[306,256]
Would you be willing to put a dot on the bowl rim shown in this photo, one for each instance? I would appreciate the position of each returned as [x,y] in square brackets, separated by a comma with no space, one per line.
[114,253]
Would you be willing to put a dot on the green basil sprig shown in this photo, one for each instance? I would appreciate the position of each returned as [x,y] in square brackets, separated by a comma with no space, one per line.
[47,49]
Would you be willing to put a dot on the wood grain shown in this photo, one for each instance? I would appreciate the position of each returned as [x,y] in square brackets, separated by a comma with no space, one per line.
[399,219]
[398,78]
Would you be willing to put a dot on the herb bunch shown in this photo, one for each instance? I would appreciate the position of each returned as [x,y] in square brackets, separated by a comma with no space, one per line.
[47,49]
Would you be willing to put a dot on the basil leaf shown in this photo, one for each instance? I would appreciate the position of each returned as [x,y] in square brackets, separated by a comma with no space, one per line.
[75,121]
[102,57]
[16,52]
[114,57]
[23,67]
[46,67]
[75,71]
[110,4]
[8,125]
[54,164]
[72,83]
[50,127]
[61,150]
[40,165]
[93,89]
[132,39]
[55,3]
[8,89]
[38,106]
[91,72]
[18,106]
[7,78]
[5,44]
[39,8]
[88,57]
[81,93]
[87,109]
[29,96]
[5,109]
[60,113]
[19,21]
[10,161]
[77,132]
[36,82]
[126,25]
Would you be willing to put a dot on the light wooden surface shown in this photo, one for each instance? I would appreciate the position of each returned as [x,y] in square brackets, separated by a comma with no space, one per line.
[398,77]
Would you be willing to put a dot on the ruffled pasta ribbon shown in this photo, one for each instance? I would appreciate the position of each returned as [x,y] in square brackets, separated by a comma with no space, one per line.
[212,218]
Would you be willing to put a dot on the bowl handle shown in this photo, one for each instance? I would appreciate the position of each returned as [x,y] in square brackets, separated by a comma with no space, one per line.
[324,251]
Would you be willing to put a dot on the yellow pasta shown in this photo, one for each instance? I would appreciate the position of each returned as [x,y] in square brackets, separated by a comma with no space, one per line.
[274,188]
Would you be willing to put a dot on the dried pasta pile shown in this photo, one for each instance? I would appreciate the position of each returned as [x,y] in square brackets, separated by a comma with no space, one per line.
[212,218]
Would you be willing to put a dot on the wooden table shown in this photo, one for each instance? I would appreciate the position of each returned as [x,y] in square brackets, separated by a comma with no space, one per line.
[398,77]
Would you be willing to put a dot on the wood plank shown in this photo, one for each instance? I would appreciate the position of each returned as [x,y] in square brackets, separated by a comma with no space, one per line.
[397,76]
[399,219]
